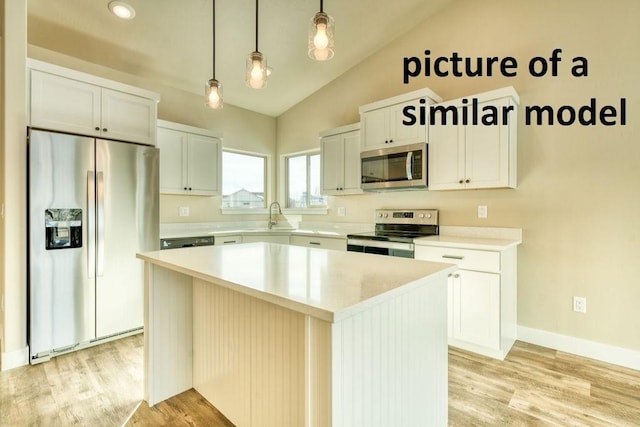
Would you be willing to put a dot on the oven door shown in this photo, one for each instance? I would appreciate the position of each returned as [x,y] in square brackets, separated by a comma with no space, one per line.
[404,250]
[397,167]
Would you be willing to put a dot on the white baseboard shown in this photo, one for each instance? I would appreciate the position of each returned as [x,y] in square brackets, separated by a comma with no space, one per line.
[591,349]
[14,359]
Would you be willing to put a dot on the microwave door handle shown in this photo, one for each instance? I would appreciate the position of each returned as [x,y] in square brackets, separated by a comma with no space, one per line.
[409,166]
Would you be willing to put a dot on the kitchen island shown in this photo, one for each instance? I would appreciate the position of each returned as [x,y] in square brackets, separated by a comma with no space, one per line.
[280,335]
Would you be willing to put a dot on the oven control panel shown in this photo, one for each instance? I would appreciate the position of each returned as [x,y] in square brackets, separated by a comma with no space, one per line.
[406,216]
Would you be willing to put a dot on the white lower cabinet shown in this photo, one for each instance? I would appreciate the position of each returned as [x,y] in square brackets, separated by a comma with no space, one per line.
[320,242]
[482,302]
[267,238]
[228,240]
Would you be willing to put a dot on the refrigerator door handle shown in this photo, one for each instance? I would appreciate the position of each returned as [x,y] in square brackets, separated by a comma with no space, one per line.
[91,226]
[100,222]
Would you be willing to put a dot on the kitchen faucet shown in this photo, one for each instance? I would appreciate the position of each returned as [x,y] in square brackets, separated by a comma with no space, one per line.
[273,220]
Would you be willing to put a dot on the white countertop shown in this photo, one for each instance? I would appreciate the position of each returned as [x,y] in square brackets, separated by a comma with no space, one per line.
[482,238]
[481,243]
[330,285]
[330,230]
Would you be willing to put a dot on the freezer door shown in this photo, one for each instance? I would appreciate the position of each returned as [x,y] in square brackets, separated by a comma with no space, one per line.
[128,215]
[61,284]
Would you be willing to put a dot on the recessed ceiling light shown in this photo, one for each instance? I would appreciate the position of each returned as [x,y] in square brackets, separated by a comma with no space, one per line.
[122,9]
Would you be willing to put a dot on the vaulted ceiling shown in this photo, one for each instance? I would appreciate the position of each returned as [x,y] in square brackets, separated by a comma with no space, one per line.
[170,41]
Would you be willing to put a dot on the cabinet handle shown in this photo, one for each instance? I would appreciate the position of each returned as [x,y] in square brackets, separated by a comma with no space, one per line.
[189,188]
[315,243]
[185,188]
[390,141]
[453,257]
[455,276]
[229,241]
[468,180]
[98,128]
[461,182]
[104,129]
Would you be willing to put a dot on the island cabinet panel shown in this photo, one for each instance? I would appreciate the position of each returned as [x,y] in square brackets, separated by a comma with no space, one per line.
[257,361]
[168,306]
[385,369]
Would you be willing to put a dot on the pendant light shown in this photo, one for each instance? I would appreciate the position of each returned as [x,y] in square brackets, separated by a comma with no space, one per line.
[256,70]
[321,30]
[213,90]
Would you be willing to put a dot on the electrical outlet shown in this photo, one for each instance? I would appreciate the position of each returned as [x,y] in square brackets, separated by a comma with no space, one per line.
[580,304]
[482,211]
[184,211]
[342,211]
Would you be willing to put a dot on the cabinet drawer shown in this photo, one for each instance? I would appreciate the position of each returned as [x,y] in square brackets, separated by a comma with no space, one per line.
[468,259]
[319,242]
[228,240]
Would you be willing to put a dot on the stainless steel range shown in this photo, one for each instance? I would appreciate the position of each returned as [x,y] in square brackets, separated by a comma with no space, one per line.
[395,231]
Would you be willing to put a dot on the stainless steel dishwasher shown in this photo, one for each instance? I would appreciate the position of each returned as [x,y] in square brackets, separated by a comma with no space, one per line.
[186,242]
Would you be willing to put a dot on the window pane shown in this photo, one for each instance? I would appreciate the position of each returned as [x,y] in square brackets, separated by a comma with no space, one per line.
[315,198]
[297,181]
[243,184]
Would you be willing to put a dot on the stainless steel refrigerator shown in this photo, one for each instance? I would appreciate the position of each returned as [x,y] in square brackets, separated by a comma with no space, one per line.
[93,204]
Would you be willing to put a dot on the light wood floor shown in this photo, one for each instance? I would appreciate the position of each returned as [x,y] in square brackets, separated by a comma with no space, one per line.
[102,386]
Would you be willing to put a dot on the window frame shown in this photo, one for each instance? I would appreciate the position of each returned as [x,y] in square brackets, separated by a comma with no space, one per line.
[267,184]
[284,180]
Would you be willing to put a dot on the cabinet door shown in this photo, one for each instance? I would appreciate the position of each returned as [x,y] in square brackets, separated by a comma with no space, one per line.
[173,151]
[476,307]
[63,104]
[401,134]
[446,156]
[128,117]
[487,152]
[204,165]
[332,150]
[227,240]
[375,129]
[352,167]
[319,242]
[250,238]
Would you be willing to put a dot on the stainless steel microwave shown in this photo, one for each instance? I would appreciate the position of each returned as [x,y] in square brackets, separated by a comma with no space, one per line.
[395,167]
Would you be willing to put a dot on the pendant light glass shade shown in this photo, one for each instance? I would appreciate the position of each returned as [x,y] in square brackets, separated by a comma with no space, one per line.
[256,70]
[213,94]
[213,89]
[321,31]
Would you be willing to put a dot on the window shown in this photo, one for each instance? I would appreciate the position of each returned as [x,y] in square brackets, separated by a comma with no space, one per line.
[303,181]
[243,180]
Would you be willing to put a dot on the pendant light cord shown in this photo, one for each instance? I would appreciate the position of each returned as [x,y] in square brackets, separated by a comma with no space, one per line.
[256,25]
[321,8]
[214,39]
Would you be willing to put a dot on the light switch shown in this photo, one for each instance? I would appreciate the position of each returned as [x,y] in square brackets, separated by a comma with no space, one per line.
[342,211]
[184,211]
[482,211]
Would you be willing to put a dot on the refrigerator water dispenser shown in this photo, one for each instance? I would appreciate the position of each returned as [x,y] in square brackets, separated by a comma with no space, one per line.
[63,228]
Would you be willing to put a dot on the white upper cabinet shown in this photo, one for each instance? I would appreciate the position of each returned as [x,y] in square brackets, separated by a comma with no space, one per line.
[340,156]
[190,160]
[466,156]
[70,101]
[382,122]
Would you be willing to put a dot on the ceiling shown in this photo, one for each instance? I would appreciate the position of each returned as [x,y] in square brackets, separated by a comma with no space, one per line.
[170,42]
